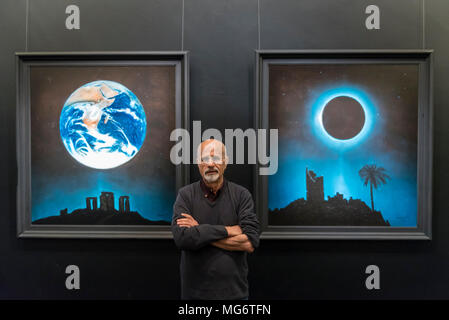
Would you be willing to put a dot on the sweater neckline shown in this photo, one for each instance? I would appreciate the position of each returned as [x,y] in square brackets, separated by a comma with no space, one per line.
[220,196]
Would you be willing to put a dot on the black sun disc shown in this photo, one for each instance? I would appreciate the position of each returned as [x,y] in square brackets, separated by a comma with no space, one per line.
[343,118]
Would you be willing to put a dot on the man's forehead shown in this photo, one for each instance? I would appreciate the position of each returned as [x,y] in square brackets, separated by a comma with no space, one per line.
[212,147]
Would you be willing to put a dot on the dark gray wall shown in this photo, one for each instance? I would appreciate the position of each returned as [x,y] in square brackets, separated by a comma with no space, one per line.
[221,36]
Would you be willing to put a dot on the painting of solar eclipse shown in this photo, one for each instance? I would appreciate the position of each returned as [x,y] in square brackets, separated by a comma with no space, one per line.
[351,143]
[99,148]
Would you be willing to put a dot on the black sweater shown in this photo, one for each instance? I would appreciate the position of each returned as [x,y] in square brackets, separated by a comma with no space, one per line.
[208,272]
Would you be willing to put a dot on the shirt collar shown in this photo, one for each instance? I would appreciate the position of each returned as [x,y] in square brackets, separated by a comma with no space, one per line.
[208,193]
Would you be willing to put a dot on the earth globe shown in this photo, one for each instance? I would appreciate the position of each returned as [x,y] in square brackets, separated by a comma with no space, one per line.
[102,124]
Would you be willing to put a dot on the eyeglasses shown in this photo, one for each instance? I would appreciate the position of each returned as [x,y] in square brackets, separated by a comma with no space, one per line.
[214,159]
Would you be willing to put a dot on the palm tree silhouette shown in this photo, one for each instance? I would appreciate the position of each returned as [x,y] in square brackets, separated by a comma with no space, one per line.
[375,176]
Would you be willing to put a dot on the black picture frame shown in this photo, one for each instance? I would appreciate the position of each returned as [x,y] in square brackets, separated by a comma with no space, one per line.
[26,60]
[424,60]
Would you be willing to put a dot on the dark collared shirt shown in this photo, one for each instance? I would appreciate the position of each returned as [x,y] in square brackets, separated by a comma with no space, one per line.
[208,193]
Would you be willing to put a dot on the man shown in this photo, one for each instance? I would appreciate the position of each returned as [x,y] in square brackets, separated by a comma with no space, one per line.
[215,226]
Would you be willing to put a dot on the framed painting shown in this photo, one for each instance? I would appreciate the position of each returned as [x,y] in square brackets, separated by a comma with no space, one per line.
[354,144]
[93,143]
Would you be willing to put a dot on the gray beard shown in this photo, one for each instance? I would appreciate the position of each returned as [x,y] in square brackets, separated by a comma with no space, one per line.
[211,178]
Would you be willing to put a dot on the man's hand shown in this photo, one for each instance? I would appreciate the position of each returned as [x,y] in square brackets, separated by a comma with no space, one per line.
[187,221]
[235,243]
[233,230]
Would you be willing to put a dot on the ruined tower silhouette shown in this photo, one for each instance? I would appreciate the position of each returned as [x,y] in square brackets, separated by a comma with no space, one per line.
[107,201]
[123,203]
[314,185]
[91,203]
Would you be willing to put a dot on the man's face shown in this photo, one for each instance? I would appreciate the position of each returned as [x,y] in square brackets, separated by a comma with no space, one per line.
[212,164]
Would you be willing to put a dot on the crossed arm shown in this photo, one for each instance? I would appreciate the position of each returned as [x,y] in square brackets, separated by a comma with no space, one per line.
[236,240]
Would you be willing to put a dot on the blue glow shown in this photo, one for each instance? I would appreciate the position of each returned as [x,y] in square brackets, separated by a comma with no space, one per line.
[317,116]
[339,161]
[152,199]
[342,177]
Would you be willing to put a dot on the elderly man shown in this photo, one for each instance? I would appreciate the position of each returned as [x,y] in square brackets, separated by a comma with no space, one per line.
[215,226]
